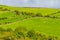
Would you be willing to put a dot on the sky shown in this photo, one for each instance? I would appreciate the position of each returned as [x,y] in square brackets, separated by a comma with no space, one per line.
[32,3]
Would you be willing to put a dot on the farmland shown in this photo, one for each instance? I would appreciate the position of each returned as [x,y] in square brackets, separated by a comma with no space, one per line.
[44,20]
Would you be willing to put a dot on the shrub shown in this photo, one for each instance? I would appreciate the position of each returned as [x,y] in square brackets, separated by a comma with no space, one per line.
[50,38]
[5,9]
[41,36]
[22,13]
[54,17]
[2,30]
[47,16]
[8,38]
[1,8]
[39,14]
[33,15]
[5,22]
[58,12]
[0,23]
[17,12]
[20,32]
[9,29]
[44,37]
[21,29]
[31,34]
[8,22]
[26,13]
[38,35]
[54,37]
[5,17]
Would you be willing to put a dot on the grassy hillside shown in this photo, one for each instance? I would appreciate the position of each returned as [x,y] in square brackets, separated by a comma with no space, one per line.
[46,25]
[45,20]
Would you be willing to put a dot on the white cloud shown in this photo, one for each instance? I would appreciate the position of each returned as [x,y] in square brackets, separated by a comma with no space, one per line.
[35,3]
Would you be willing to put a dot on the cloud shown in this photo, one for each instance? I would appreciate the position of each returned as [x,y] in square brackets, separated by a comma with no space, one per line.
[32,3]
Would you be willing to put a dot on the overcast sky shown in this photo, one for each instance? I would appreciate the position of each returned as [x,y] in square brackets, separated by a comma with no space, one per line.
[32,3]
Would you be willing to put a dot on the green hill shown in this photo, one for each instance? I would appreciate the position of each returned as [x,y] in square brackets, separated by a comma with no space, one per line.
[45,20]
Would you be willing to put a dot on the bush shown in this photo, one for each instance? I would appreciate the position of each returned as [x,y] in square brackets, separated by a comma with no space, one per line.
[20,32]
[21,29]
[50,38]
[31,34]
[0,23]
[17,12]
[33,15]
[5,22]
[58,12]
[3,18]
[47,16]
[9,29]
[6,9]
[8,38]
[39,14]
[54,17]
[1,8]
[2,30]
[24,13]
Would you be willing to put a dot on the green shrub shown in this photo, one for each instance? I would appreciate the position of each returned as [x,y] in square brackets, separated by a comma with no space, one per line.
[2,30]
[17,12]
[39,15]
[47,16]
[9,29]
[8,38]
[31,34]
[20,31]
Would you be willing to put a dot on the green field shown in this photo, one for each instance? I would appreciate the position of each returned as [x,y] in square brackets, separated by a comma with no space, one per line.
[44,20]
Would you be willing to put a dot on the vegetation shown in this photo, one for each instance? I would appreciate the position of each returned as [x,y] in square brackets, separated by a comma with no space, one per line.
[20,33]
[15,20]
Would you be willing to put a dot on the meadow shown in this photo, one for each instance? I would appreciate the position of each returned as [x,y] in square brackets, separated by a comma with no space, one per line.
[44,20]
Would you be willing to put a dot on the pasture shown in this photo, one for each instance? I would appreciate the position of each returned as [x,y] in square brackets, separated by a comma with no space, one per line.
[44,20]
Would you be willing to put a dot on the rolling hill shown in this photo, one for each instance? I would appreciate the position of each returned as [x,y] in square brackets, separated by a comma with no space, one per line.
[45,20]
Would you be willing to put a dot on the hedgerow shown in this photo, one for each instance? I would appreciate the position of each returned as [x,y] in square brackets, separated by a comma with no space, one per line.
[22,33]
